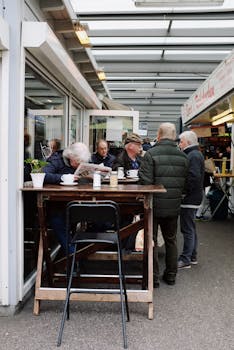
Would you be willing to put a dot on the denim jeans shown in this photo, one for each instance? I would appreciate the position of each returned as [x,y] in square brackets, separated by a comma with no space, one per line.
[188,229]
[168,227]
[58,224]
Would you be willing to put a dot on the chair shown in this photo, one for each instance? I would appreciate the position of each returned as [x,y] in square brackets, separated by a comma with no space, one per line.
[87,218]
[46,151]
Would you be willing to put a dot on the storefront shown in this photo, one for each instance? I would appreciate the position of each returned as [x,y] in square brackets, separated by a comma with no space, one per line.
[43,97]
[210,113]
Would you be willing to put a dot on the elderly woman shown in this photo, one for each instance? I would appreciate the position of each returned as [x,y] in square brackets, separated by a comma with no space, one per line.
[60,163]
[65,162]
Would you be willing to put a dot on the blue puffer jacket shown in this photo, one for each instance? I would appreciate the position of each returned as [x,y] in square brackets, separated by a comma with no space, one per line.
[195,179]
[56,167]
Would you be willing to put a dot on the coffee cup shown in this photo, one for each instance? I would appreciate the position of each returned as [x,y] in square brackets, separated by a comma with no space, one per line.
[68,178]
[132,173]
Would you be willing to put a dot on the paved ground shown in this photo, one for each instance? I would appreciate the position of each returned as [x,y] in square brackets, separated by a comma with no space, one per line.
[195,314]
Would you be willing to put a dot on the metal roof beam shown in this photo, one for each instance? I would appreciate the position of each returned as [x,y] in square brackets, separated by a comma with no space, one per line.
[151,15]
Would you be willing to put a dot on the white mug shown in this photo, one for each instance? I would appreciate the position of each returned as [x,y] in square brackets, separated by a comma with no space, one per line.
[68,178]
[132,173]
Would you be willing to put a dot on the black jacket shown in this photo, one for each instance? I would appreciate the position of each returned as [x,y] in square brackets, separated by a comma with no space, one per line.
[123,160]
[195,180]
[107,161]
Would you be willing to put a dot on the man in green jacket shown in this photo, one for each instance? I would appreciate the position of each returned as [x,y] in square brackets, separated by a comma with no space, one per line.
[165,164]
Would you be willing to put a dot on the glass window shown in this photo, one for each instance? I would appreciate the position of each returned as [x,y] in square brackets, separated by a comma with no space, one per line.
[44,115]
[44,131]
[112,129]
[75,125]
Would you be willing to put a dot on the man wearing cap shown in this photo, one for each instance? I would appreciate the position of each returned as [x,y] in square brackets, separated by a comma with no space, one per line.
[130,157]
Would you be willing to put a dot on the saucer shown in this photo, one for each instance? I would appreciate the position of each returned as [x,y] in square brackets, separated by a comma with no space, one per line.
[133,177]
[68,184]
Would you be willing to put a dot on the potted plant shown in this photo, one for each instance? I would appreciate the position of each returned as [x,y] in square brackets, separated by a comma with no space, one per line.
[37,173]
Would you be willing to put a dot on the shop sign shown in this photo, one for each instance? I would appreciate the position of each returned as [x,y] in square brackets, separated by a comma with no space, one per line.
[219,83]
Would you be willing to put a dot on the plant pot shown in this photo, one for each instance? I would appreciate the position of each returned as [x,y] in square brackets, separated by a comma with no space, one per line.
[37,179]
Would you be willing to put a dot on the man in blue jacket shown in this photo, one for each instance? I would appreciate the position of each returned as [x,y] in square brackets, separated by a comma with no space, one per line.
[192,199]
[102,156]
[60,163]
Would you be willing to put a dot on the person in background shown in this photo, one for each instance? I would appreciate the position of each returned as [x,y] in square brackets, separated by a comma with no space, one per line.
[227,152]
[193,198]
[206,187]
[130,157]
[27,142]
[55,145]
[102,156]
[27,154]
[63,162]
[165,164]
[217,156]
[146,144]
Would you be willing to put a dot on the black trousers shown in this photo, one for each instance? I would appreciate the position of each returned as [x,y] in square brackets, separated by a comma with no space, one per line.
[168,227]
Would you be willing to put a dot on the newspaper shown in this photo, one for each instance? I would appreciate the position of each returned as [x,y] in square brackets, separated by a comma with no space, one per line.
[88,169]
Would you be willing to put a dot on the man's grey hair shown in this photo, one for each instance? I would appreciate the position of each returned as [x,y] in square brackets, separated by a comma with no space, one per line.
[190,137]
[77,151]
[167,131]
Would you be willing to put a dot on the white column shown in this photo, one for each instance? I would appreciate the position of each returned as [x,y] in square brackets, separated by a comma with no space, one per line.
[4,108]
[4,228]
[11,144]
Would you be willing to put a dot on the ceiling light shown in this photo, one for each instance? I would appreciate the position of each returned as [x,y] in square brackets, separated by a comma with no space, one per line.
[220,115]
[177,3]
[154,90]
[101,75]
[226,118]
[82,35]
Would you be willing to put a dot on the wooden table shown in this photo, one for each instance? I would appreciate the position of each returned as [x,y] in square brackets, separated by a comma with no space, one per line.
[124,193]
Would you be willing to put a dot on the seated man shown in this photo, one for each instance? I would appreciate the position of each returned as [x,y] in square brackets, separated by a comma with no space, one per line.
[129,158]
[60,163]
[102,156]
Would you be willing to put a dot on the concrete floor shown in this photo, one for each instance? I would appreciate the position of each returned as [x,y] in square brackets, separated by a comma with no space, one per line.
[195,314]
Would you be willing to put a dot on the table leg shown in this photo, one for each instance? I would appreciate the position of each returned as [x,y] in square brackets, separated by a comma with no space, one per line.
[44,235]
[148,252]
[42,251]
[36,309]
[150,311]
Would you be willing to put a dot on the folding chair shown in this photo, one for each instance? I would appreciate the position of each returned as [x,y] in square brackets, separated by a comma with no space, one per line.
[94,222]
[46,151]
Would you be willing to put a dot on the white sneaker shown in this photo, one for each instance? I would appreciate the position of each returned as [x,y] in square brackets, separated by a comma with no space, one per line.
[183,265]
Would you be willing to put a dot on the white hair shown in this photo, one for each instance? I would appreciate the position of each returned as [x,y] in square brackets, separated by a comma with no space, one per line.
[190,137]
[77,151]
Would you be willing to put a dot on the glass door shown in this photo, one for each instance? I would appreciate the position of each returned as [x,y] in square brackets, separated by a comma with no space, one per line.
[110,125]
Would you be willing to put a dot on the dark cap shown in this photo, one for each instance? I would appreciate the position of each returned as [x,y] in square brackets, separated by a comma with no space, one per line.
[133,138]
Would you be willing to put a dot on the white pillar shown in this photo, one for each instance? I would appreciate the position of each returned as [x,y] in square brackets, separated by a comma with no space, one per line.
[4,228]
[11,155]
